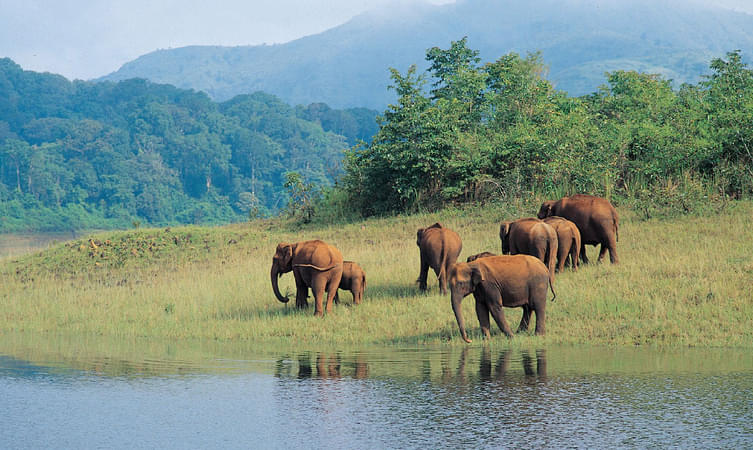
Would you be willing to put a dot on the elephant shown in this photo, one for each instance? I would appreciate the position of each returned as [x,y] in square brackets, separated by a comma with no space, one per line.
[530,236]
[353,280]
[596,219]
[440,248]
[316,265]
[479,255]
[568,236]
[497,281]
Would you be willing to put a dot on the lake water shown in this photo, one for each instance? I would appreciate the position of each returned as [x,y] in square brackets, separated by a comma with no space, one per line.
[58,392]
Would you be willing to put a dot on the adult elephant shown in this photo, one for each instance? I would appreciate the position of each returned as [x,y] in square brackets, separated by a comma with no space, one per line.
[439,248]
[501,281]
[568,237]
[595,218]
[316,265]
[530,236]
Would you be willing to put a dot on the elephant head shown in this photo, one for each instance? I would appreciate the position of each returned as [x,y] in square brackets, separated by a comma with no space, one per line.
[504,236]
[479,255]
[546,209]
[464,277]
[282,262]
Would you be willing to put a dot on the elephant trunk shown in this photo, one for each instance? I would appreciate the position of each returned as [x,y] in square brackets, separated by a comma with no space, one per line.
[456,301]
[275,274]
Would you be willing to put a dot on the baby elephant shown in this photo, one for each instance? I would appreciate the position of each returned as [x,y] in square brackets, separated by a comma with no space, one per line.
[501,281]
[479,255]
[353,280]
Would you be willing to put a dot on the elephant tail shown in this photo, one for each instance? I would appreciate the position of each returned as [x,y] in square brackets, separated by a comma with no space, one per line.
[551,286]
[320,269]
[616,224]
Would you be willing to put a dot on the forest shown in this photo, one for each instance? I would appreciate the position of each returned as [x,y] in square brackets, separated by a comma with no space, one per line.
[85,155]
[466,131]
[99,155]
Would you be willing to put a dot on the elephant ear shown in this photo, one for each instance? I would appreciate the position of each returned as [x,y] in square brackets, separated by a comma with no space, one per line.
[478,274]
[504,229]
[419,235]
[436,225]
[546,209]
[285,253]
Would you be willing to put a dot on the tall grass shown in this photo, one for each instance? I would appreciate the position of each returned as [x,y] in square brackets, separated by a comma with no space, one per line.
[681,282]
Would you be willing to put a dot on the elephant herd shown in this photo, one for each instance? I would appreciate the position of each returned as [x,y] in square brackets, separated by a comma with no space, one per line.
[533,248]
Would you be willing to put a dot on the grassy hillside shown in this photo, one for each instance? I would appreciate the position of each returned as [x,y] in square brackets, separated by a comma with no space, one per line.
[682,282]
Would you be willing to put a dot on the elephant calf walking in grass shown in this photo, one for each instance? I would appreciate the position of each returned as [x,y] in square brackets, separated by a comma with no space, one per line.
[353,280]
[440,248]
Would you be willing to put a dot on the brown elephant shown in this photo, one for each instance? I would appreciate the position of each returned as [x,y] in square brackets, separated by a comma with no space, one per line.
[440,248]
[530,236]
[479,255]
[353,280]
[596,219]
[497,281]
[568,237]
[316,265]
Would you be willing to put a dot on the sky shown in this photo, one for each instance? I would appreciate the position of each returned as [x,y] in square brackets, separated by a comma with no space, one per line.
[85,39]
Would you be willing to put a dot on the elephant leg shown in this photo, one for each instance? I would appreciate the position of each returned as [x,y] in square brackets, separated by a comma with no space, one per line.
[482,312]
[602,251]
[583,255]
[423,274]
[495,307]
[318,287]
[613,258]
[337,298]
[574,257]
[540,320]
[331,287]
[357,295]
[301,294]
[442,276]
[525,319]
[561,259]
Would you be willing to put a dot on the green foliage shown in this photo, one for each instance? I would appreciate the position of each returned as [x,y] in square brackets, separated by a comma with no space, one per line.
[500,131]
[303,196]
[80,155]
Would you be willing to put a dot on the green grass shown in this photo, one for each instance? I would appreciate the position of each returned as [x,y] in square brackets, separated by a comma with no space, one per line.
[681,282]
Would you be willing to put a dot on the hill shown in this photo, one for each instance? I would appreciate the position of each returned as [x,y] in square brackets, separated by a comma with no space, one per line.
[347,65]
[83,155]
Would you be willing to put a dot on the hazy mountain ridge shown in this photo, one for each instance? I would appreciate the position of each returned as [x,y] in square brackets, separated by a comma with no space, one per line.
[348,65]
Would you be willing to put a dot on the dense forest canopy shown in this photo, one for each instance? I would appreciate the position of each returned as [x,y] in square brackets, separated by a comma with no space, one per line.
[84,155]
[466,131]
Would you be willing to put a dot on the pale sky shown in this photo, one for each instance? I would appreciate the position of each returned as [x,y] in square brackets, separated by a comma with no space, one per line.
[86,39]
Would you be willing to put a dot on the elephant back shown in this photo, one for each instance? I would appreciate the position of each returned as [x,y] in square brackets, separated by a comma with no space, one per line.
[317,253]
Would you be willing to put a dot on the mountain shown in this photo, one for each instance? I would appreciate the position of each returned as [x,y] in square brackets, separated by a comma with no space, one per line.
[348,65]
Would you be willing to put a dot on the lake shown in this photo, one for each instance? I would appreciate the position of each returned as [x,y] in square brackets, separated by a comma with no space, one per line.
[17,244]
[72,392]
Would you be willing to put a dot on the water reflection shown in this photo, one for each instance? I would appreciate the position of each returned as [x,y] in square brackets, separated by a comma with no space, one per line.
[65,392]
[323,365]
